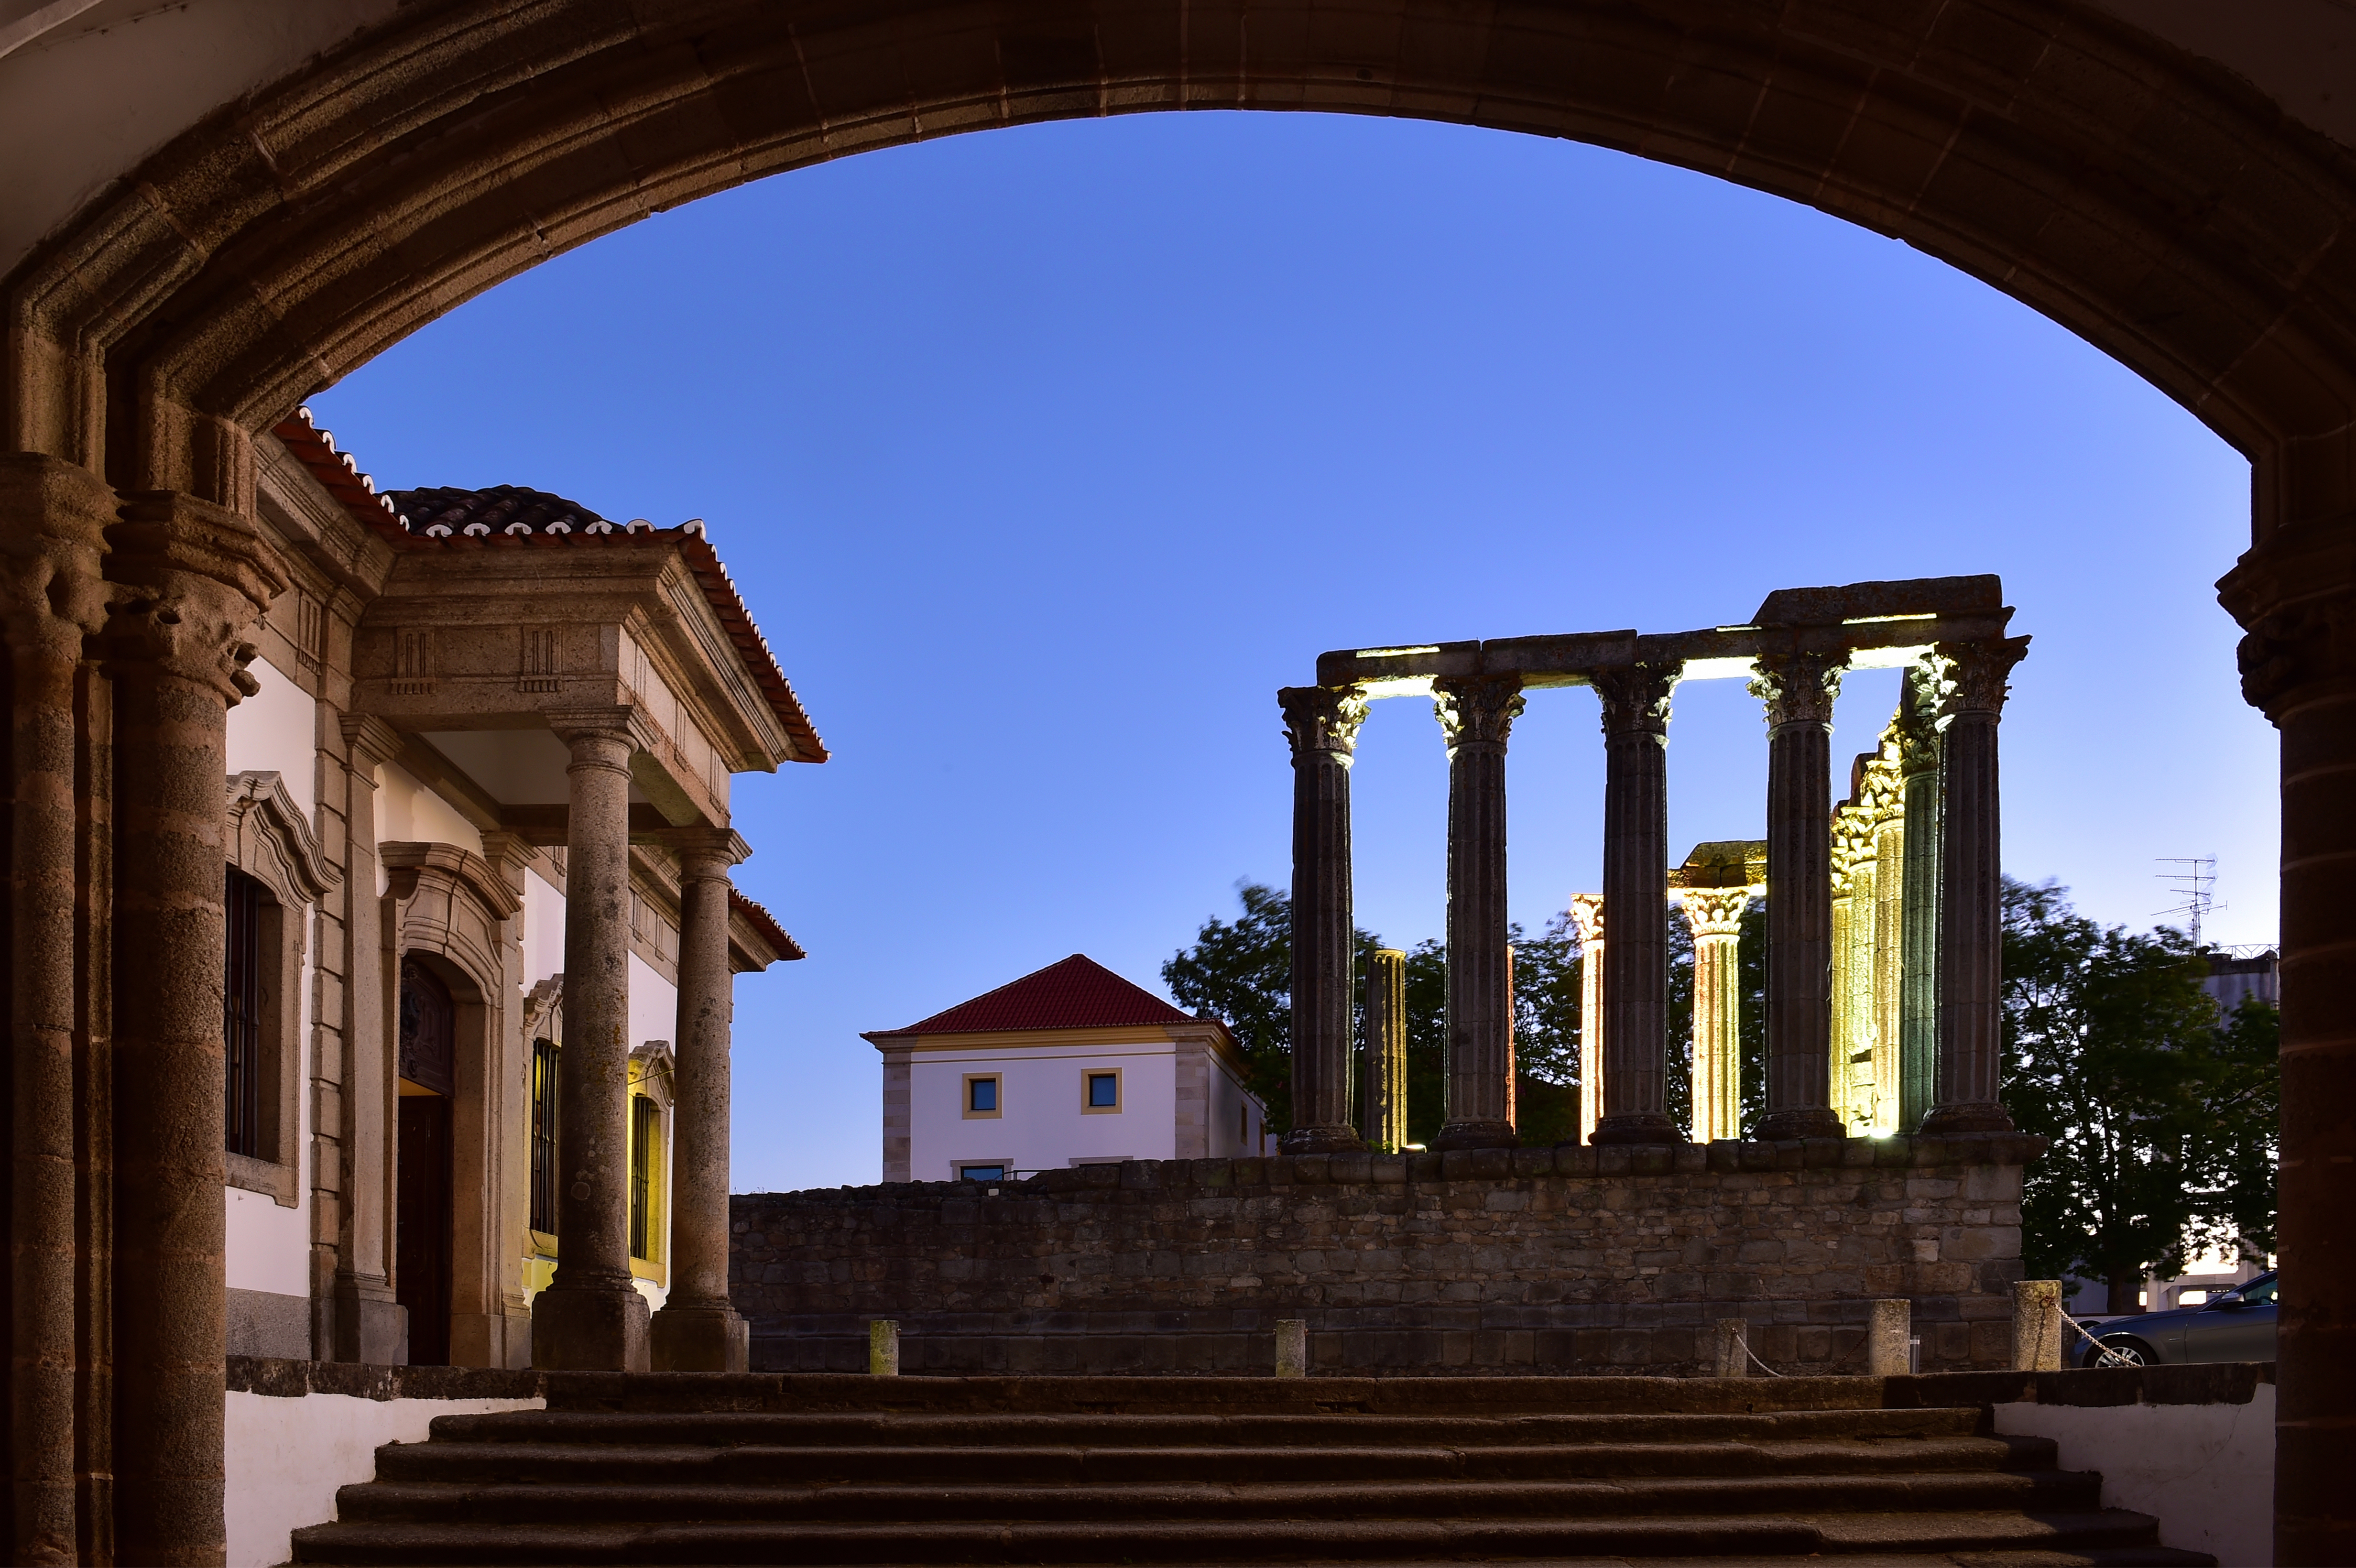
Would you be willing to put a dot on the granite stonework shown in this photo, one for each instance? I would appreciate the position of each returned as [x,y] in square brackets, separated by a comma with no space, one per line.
[1612,1259]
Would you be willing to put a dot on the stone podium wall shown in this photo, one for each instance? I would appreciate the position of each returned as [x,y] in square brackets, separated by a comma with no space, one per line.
[1561,1261]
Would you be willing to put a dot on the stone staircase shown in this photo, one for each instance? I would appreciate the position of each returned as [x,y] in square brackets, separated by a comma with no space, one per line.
[682,1468]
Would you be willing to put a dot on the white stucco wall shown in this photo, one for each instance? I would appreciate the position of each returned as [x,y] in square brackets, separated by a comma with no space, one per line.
[285,1457]
[276,730]
[1233,1136]
[406,811]
[2205,1471]
[544,931]
[654,1001]
[1042,1126]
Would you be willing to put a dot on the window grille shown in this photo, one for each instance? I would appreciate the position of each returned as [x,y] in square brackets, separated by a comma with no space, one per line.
[544,1136]
[645,1124]
[242,1012]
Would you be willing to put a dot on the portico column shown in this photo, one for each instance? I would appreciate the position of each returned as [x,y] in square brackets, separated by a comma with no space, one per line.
[1798,690]
[1636,891]
[1971,901]
[1477,714]
[190,578]
[698,1330]
[1322,723]
[1587,915]
[1386,1096]
[590,1318]
[369,1324]
[1918,963]
[1715,916]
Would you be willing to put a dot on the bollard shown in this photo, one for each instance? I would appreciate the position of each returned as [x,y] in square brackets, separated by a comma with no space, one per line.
[2037,1326]
[1292,1347]
[883,1348]
[1733,1353]
[1888,1325]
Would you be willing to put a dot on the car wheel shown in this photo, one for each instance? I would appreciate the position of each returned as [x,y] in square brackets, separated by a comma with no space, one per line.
[2121,1351]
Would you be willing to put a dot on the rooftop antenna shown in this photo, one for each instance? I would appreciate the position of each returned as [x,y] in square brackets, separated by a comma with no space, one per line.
[2194,884]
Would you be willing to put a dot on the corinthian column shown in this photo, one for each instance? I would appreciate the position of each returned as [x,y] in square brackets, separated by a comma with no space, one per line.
[1636,891]
[190,578]
[590,1318]
[1918,963]
[698,1330]
[1476,713]
[1971,901]
[1798,690]
[1587,914]
[1715,916]
[1385,1098]
[1322,723]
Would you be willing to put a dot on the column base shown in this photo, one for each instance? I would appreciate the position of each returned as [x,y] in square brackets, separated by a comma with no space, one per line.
[1476,1135]
[700,1338]
[1643,1127]
[589,1328]
[1972,1116]
[1332,1137]
[1805,1122]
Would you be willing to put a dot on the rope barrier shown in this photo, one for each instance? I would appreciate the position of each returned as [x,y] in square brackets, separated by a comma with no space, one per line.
[1756,1361]
[2110,1358]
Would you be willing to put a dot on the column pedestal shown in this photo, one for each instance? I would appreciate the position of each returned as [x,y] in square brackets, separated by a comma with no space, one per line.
[1477,713]
[1322,723]
[1636,892]
[1798,690]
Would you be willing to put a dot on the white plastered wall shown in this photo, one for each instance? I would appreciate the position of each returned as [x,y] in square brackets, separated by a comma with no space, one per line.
[408,812]
[1042,1126]
[1237,1118]
[2205,1471]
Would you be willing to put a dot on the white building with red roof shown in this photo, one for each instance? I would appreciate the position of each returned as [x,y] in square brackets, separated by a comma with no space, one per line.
[1069,1065]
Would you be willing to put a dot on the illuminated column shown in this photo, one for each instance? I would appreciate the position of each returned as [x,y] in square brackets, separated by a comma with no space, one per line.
[1889,944]
[1798,690]
[1856,899]
[1837,1079]
[1636,888]
[1715,916]
[1587,914]
[1322,723]
[1918,963]
[1476,713]
[1971,904]
[1385,1098]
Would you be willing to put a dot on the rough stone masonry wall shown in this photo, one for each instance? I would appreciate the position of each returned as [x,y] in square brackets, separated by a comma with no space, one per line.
[1564,1261]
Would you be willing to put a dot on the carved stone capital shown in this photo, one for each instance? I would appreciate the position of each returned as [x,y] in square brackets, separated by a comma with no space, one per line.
[189,579]
[1715,911]
[2294,595]
[623,724]
[1587,918]
[703,852]
[1637,697]
[1915,726]
[1323,719]
[1477,709]
[1977,674]
[1798,688]
[371,741]
[53,521]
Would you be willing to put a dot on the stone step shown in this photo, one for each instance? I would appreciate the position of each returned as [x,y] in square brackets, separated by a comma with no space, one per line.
[1269,1541]
[617,1502]
[754,1464]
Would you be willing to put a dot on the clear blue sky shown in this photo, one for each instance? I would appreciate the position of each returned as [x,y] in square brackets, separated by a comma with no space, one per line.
[1043,457]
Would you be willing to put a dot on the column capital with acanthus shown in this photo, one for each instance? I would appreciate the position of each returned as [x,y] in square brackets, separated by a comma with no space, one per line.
[1798,688]
[1977,675]
[1477,710]
[1323,719]
[1715,911]
[1587,917]
[1635,697]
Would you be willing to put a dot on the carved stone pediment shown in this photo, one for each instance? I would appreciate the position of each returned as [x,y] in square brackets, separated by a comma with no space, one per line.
[269,838]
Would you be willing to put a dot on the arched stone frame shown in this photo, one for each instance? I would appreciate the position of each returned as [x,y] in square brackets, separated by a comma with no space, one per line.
[268,839]
[454,912]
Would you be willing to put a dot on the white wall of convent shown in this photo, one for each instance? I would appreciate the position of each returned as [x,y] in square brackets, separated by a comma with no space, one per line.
[406,810]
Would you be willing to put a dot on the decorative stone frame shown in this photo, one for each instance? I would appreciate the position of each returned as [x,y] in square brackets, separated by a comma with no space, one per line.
[267,838]
[964,1097]
[1119,1092]
[652,1078]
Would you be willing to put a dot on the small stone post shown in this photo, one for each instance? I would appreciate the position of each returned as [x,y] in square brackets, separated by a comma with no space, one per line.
[1731,1348]
[1385,1099]
[1889,1331]
[1292,1347]
[2037,1326]
[883,1348]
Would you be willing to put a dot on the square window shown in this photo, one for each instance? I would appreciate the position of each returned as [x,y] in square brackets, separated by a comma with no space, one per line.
[983,1095]
[1100,1091]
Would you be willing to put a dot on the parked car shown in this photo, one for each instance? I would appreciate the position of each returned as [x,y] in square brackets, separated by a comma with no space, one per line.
[2236,1326]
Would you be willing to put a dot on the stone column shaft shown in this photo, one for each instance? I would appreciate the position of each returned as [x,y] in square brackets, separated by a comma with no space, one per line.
[1587,914]
[699,1331]
[1477,713]
[590,1318]
[1799,690]
[1322,723]
[190,578]
[1715,916]
[1385,1097]
[369,1325]
[1971,902]
[1918,1054]
[1636,891]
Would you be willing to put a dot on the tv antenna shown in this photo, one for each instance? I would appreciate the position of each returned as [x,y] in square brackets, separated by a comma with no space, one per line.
[2195,884]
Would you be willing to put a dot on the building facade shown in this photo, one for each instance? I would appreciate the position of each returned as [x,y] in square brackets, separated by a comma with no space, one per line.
[1070,1066]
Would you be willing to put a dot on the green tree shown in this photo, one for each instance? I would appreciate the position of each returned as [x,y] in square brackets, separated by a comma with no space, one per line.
[1241,972]
[2111,1050]
[2238,1139]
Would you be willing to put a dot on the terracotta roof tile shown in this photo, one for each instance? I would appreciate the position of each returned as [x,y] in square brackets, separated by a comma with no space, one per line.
[1076,993]
[766,924]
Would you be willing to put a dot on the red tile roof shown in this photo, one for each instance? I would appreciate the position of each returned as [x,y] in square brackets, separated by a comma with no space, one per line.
[513,505]
[1076,993]
[766,924]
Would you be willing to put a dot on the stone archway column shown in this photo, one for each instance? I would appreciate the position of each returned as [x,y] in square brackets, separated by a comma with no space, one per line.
[1477,713]
[1918,960]
[1587,915]
[1798,690]
[1715,916]
[53,521]
[189,579]
[1636,892]
[590,1318]
[698,1330]
[1322,723]
[1971,895]
[1385,1098]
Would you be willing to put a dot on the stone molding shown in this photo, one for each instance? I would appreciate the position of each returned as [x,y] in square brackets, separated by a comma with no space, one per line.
[410,864]
[271,839]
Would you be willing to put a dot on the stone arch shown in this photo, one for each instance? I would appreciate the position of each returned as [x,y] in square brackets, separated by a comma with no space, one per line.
[454,914]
